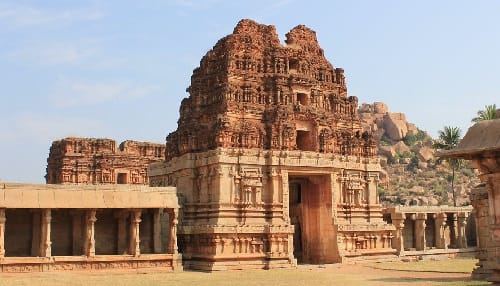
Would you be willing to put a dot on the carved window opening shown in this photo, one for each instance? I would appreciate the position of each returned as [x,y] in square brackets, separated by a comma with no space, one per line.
[122,178]
[304,140]
[293,66]
[302,99]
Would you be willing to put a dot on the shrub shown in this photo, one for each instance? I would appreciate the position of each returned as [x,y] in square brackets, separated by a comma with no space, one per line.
[467,172]
[392,160]
[410,139]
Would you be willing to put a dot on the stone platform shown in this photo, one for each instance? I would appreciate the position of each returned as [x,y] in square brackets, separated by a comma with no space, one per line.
[90,227]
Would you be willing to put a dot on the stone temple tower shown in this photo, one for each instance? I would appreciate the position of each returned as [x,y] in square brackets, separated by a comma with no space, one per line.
[270,160]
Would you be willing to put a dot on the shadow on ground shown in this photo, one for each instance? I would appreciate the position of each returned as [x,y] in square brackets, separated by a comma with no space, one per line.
[429,279]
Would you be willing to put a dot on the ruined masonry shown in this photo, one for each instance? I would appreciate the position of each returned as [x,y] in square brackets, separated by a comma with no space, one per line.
[99,161]
[269,159]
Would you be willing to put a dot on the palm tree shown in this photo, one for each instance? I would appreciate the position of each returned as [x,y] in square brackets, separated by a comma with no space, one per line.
[488,113]
[448,139]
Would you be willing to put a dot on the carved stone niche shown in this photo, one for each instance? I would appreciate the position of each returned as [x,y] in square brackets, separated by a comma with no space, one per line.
[249,188]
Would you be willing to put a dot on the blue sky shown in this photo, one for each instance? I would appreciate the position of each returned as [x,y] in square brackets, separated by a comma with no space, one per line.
[119,69]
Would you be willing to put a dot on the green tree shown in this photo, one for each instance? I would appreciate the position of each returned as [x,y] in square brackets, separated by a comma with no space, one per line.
[448,139]
[488,113]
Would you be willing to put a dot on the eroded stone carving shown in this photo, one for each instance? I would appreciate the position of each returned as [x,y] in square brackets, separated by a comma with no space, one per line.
[250,91]
[100,161]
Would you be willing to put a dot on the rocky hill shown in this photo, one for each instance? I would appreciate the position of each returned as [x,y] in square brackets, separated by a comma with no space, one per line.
[413,175]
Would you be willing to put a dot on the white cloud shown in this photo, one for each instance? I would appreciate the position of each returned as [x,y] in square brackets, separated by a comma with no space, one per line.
[54,54]
[38,128]
[83,52]
[24,15]
[71,93]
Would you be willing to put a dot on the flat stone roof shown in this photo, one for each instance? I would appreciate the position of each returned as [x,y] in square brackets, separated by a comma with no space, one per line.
[21,195]
[482,138]
[428,209]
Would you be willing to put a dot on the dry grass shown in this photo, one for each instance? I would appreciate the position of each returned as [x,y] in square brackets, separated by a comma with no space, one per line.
[448,272]
[440,266]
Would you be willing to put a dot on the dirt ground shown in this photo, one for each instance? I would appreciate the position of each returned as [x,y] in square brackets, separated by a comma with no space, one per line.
[450,272]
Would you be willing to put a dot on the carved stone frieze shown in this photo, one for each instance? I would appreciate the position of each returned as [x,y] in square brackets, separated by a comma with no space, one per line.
[101,161]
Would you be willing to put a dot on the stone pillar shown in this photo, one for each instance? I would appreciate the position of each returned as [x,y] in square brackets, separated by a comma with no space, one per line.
[479,200]
[461,230]
[2,232]
[489,167]
[89,240]
[398,220]
[492,182]
[285,197]
[440,225]
[45,243]
[274,178]
[157,230]
[122,216]
[135,220]
[420,231]
[172,242]
[291,258]
[454,231]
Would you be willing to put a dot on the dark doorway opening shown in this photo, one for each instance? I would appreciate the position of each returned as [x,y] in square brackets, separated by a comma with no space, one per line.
[122,178]
[409,234]
[295,218]
[302,99]
[310,214]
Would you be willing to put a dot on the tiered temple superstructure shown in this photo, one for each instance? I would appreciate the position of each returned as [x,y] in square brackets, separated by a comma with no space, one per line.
[270,160]
[100,161]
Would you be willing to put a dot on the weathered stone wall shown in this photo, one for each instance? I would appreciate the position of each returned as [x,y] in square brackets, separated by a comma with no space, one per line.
[100,161]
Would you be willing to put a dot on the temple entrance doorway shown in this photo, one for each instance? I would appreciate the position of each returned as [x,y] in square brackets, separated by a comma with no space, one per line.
[310,213]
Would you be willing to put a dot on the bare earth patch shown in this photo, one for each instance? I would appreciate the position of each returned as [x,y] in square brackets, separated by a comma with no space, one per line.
[445,272]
